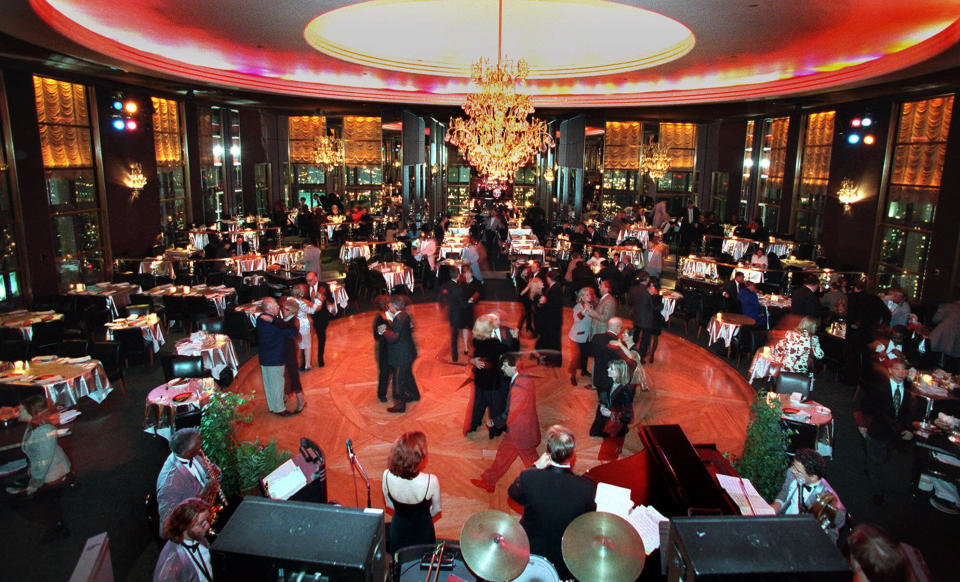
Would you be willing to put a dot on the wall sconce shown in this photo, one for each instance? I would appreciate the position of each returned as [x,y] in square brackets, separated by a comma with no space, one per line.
[848,194]
[135,180]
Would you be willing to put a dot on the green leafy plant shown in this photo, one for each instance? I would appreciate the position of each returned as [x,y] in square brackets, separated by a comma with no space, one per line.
[764,457]
[243,463]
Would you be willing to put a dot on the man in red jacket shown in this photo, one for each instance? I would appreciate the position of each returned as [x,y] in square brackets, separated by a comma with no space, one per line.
[522,425]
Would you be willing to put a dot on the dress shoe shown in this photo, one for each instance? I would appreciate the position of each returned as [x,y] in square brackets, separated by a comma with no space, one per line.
[320,364]
[382,398]
[482,485]
[573,379]
[415,398]
[398,407]
[300,408]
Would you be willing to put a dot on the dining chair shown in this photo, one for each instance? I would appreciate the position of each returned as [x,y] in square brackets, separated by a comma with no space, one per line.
[108,354]
[133,346]
[46,337]
[73,348]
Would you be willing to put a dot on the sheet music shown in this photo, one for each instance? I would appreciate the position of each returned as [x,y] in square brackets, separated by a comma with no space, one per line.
[745,495]
[613,499]
[644,519]
[285,480]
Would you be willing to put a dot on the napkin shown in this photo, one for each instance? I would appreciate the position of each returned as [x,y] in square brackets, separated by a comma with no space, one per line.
[49,379]
[79,360]
[947,420]
[41,359]
[50,312]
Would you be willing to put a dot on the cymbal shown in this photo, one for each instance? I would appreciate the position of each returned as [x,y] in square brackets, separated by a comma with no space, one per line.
[494,546]
[602,547]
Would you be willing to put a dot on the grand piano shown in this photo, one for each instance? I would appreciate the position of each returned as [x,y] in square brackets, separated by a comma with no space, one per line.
[671,474]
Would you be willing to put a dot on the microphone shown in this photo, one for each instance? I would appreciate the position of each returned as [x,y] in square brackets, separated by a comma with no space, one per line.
[350,450]
[355,464]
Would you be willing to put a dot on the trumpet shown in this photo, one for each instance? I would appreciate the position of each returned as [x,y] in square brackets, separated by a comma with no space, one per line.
[215,498]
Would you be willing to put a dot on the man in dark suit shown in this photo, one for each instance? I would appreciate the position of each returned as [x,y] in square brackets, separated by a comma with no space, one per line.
[549,320]
[451,296]
[731,293]
[401,352]
[882,417]
[380,352]
[552,496]
[641,307]
[804,301]
[520,422]
[690,222]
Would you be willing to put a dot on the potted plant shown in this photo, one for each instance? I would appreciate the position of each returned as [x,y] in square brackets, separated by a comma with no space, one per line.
[243,463]
[764,458]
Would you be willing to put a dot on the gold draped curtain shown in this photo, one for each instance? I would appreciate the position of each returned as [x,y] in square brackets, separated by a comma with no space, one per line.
[818,147]
[302,131]
[63,121]
[621,145]
[166,131]
[362,141]
[681,139]
[778,151]
[921,149]
[205,137]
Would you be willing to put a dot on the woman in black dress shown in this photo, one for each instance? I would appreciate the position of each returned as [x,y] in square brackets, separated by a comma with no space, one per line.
[653,332]
[471,295]
[614,408]
[488,393]
[414,497]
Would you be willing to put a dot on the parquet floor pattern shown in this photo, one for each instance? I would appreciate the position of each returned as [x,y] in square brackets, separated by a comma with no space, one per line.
[689,386]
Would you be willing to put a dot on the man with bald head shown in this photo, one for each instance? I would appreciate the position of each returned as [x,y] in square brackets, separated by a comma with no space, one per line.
[272,340]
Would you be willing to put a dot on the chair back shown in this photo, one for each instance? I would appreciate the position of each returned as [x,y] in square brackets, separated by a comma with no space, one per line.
[11,334]
[47,334]
[131,341]
[212,325]
[73,348]
[12,350]
[108,353]
[139,310]
[147,281]
[790,382]
[65,304]
[176,366]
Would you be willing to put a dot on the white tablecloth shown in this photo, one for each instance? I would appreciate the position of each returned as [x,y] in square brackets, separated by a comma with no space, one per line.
[116,294]
[64,380]
[349,252]
[149,326]
[247,263]
[763,366]
[23,320]
[736,247]
[216,353]
[216,295]
[669,304]
[641,234]
[781,248]
[289,258]
[199,238]
[395,274]
[722,330]
[697,268]
[749,274]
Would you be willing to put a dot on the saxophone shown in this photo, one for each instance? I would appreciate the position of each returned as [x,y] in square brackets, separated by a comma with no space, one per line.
[215,497]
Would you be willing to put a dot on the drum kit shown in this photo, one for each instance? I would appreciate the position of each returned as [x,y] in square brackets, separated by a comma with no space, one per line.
[597,547]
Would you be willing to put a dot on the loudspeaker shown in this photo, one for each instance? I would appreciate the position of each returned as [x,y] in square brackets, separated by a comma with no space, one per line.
[751,548]
[267,539]
[414,139]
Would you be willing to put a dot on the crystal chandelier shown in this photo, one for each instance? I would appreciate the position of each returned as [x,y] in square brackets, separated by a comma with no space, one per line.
[328,151]
[135,180]
[498,137]
[848,194]
[655,161]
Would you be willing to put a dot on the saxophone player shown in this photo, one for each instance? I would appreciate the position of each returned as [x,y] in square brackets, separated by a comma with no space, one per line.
[806,491]
[186,473]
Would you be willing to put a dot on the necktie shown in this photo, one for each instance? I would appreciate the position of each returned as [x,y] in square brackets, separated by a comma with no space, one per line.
[897,400]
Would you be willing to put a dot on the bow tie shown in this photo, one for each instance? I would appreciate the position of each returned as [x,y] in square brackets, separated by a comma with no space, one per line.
[807,488]
[188,463]
[191,547]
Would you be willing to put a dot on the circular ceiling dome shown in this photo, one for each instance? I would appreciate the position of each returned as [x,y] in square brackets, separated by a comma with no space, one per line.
[549,36]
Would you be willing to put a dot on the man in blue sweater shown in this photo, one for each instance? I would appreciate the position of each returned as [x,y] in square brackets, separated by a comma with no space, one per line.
[272,339]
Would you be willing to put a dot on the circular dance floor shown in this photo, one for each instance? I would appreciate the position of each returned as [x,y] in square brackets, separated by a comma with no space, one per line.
[689,386]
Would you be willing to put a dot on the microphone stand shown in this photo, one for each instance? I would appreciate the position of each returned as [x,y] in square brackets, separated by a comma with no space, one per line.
[356,463]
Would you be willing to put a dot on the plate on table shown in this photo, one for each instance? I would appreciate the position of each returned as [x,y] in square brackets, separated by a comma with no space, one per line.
[791,410]
[178,381]
[10,375]
[44,359]
[46,377]
[48,318]
[183,397]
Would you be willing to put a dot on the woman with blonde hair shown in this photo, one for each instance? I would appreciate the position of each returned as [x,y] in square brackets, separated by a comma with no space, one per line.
[412,496]
[305,309]
[614,408]
[796,350]
[488,394]
[579,332]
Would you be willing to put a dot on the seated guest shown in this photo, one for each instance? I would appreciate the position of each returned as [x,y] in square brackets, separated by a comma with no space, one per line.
[49,468]
[834,291]
[803,299]
[890,347]
[552,496]
[186,555]
[898,305]
[806,491]
[184,473]
[750,303]
[412,496]
[796,350]
[596,260]
[731,293]
[758,258]
[575,259]
[945,337]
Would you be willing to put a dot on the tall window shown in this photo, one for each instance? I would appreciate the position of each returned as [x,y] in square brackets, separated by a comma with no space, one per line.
[232,122]
[814,175]
[363,160]
[906,227]
[773,158]
[66,142]
[746,184]
[307,178]
[10,270]
[681,140]
[212,178]
[167,144]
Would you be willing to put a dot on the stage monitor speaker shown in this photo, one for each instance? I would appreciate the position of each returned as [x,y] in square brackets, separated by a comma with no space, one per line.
[268,539]
[752,548]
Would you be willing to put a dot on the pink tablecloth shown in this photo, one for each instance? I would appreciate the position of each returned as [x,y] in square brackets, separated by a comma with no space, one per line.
[216,352]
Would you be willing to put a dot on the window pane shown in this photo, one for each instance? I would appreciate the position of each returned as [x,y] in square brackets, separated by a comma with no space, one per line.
[904,247]
[809,226]
[83,269]
[170,181]
[8,248]
[5,205]
[888,276]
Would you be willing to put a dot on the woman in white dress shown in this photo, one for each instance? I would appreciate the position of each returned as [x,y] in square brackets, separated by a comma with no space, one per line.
[304,312]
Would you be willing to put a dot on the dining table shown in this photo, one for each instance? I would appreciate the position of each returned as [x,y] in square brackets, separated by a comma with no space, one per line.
[218,294]
[117,295]
[24,320]
[750,273]
[149,325]
[700,268]
[215,350]
[809,416]
[641,233]
[355,250]
[64,381]
[726,326]
[779,247]
[395,274]
[735,246]
[287,257]
[176,397]
[158,266]
[764,365]
[200,237]
[669,299]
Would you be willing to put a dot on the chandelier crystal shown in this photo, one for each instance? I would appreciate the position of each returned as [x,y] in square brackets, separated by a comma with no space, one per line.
[655,161]
[328,151]
[848,193]
[135,180]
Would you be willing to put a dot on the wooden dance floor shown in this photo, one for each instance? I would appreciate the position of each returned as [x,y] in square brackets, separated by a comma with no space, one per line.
[689,386]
